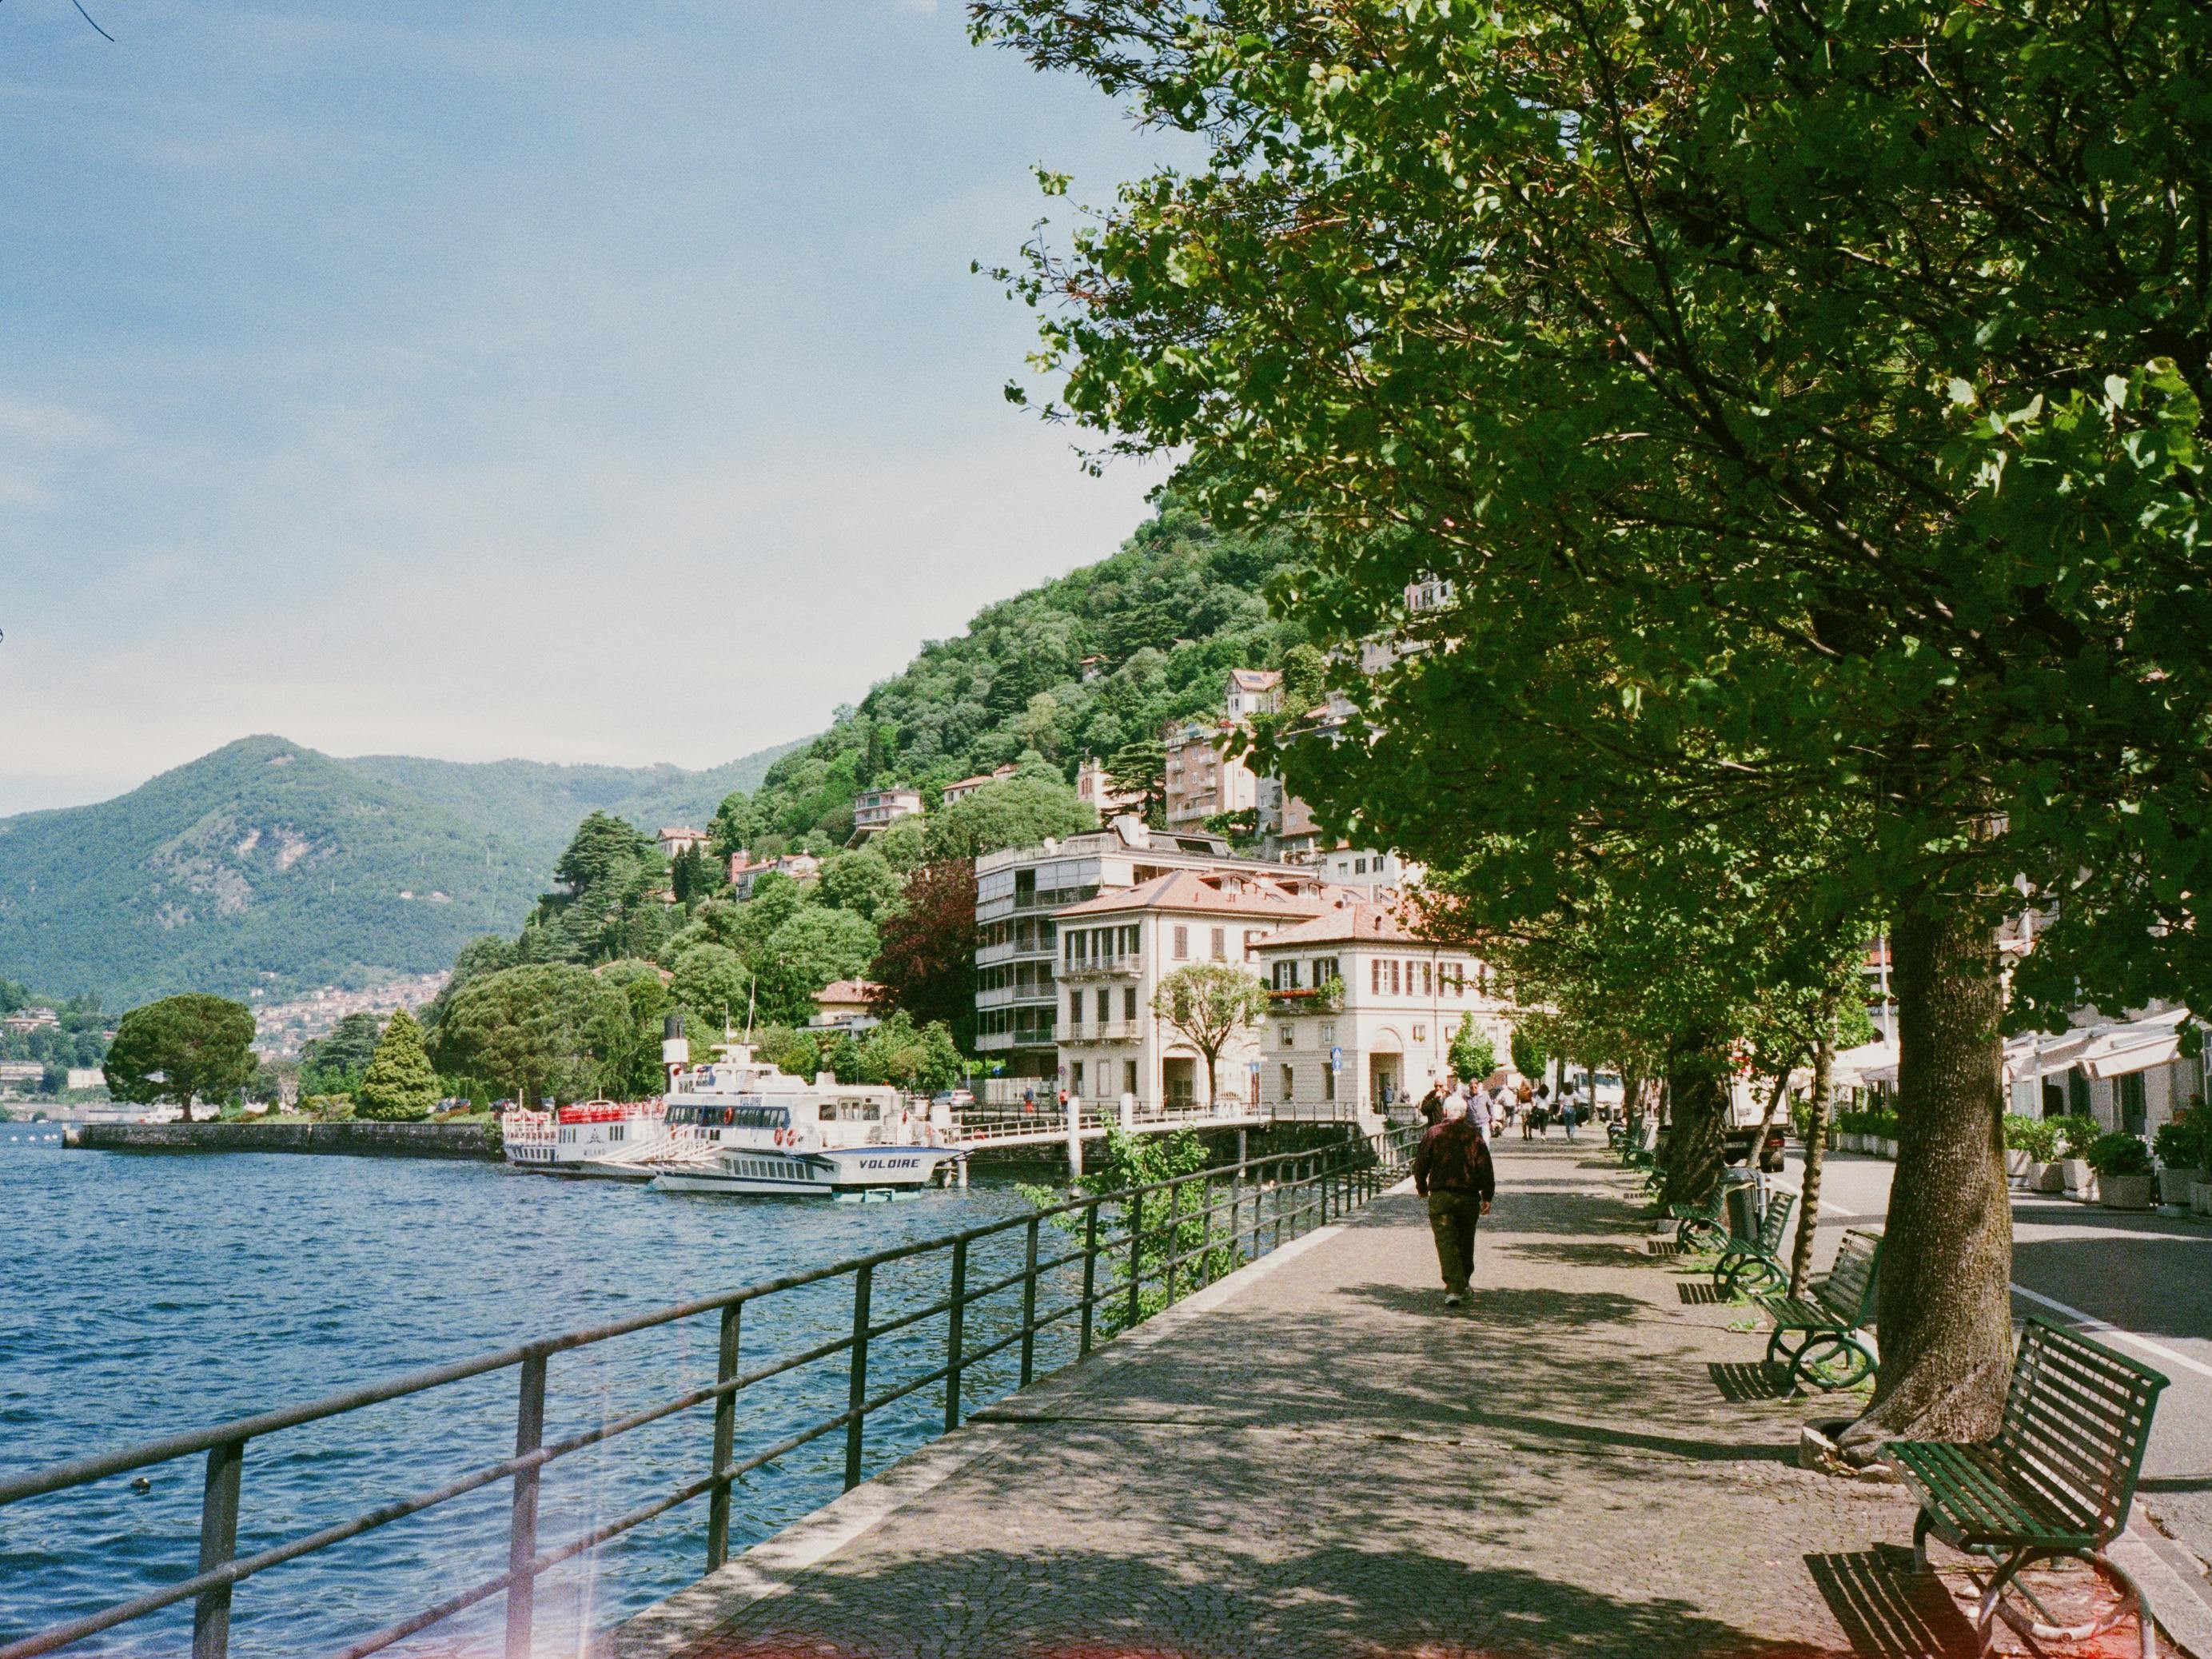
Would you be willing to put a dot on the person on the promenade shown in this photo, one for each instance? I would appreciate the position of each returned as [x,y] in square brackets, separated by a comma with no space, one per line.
[1477,1105]
[1525,1104]
[1433,1104]
[1452,1170]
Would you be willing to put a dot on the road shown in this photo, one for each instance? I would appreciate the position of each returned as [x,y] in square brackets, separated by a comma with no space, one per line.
[2148,1278]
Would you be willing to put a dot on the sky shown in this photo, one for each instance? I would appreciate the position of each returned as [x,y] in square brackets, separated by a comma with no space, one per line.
[513,379]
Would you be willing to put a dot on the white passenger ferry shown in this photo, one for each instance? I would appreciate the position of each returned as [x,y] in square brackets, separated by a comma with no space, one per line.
[591,1137]
[739,1125]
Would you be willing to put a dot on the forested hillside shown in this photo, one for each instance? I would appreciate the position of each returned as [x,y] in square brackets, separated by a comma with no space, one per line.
[1162,621]
[537,806]
[268,867]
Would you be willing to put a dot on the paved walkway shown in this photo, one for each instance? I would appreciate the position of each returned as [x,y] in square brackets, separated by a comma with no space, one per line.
[1316,1458]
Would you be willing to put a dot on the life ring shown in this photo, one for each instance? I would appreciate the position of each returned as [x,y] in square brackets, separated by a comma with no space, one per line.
[780,1134]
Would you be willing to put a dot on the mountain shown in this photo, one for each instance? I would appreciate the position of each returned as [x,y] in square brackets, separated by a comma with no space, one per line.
[266,867]
[1080,665]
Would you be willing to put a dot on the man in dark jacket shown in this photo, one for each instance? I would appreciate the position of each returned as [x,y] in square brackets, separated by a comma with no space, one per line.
[1452,1170]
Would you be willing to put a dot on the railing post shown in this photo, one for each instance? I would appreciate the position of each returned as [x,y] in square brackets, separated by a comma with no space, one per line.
[218,1545]
[726,1434]
[1236,1219]
[522,1524]
[1205,1230]
[1029,1306]
[955,1329]
[1090,1270]
[856,1396]
[1174,1238]
[1136,1251]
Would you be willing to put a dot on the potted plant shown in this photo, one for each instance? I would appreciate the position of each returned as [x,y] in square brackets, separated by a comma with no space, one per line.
[2034,1141]
[2076,1134]
[2180,1147]
[2123,1171]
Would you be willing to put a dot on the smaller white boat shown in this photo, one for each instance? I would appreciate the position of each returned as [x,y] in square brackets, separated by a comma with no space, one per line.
[591,1137]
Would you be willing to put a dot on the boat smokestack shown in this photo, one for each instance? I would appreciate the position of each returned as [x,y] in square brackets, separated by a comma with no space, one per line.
[675,1052]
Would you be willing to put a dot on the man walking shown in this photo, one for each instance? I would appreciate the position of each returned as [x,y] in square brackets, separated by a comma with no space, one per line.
[1452,1170]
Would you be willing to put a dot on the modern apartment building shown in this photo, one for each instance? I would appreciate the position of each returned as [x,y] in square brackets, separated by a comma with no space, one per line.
[1115,949]
[1017,894]
[1362,1008]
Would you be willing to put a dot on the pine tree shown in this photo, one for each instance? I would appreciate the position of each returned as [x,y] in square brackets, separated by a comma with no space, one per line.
[400,1083]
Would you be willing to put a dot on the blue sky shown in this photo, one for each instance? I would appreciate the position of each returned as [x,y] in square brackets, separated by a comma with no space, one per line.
[581,383]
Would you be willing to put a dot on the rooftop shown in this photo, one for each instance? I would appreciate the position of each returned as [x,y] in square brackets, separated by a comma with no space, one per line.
[1213,892]
[1353,921]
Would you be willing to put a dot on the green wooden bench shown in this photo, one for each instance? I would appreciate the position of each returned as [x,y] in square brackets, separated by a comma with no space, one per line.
[2055,1483]
[1822,1333]
[1753,1266]
[1706,1226]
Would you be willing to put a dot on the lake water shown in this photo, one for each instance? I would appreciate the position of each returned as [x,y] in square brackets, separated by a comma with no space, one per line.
[145,1294]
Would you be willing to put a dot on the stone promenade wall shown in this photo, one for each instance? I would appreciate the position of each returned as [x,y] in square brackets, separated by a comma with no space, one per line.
[354,1139]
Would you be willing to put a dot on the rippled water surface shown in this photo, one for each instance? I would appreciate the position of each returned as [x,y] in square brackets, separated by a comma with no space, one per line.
[145,1294]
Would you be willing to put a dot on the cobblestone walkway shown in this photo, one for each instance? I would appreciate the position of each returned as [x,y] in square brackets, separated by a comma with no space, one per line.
[1326,1462]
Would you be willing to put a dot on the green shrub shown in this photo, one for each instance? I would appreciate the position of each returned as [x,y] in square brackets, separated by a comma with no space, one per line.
[2037,1137]
[2077,1132]
[2186,1142]
[2119,1155]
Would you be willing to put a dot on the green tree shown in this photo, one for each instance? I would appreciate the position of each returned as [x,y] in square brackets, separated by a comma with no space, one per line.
[790,1049]
[1474,1056]
[902,843]
[1017,811]
[863,882]
[182,1048]
[1823,420]
[912,1057]
[1138,769]
[487,953]
[542,1029]
[399,1082]
[333,1064]
[1305,681]
[632,1071]
[806,953]
[1528,1054]
[713,981]
[1208,1003]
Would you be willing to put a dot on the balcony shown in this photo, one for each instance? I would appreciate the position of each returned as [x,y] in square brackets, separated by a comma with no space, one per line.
[1051,898]
[1121,967]
[1102,1030]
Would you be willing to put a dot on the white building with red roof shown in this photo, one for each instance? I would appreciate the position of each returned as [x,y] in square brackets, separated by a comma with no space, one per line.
[1116,948]
[1363,1007]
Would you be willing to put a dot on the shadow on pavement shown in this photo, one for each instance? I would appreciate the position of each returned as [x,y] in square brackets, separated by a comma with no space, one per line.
[1888,1610]
[1387,1601]
[1740,1384]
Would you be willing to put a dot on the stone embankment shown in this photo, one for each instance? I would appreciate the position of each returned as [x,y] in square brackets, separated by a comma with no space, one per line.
[355,1138]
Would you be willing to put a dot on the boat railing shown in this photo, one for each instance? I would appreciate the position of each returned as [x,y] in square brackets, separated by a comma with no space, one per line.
[1098,1264]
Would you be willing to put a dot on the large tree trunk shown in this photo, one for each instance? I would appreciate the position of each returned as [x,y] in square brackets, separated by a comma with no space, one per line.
[1944,1302]
[1696,1089]
[1816,1156]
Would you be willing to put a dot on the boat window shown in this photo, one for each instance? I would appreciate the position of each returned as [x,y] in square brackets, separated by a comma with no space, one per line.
[829,1112]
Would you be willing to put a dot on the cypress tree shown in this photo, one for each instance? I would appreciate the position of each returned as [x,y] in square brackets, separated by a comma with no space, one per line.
[400,1083]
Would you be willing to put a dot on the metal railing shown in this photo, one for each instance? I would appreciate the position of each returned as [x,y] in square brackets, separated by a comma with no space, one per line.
[1156,1243]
